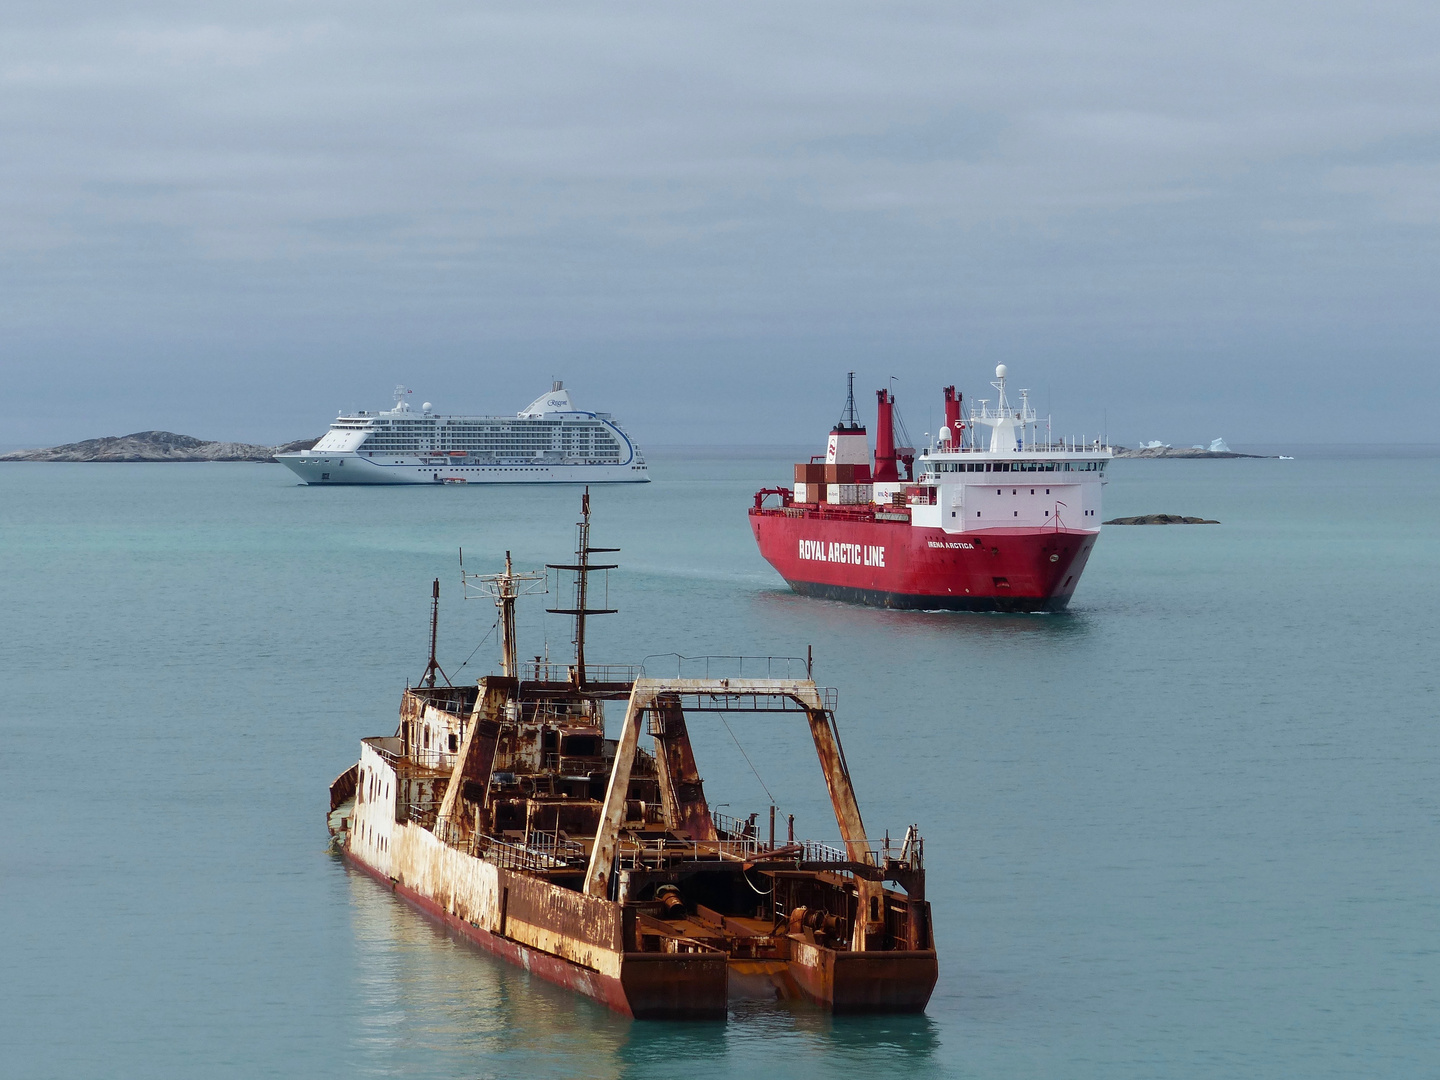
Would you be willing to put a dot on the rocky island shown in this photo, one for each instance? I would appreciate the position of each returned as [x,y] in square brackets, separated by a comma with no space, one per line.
[1161,519]
[157,446]
[1178,452]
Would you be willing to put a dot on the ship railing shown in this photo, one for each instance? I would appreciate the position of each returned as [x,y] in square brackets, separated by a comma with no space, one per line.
[572,765]
[438,761]
[737,699]
[906,852]
[637,853]
[674,665]
[543,671]
[419,813]
[389,748]
[450,699]
[545,851]
[640,853]
[825,511]
[736,829]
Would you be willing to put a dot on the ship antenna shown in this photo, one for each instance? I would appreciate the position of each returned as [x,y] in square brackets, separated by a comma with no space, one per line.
[504,588]
[507,622]
[847,418]
[582,568]
[428,679]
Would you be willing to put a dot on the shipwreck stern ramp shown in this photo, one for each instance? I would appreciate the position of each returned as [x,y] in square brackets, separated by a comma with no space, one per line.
[834,935]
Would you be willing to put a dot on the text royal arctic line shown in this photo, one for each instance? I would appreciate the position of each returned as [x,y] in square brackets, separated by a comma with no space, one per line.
[548,442]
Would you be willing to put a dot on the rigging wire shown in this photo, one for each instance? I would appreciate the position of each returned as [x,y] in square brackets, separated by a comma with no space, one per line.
[746,757]
[477,647]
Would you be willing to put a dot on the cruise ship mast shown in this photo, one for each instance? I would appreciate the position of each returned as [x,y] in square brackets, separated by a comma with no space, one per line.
[582,567]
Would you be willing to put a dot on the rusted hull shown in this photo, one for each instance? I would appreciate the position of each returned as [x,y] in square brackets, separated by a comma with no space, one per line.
[865,981]
[650,986]
[661,987]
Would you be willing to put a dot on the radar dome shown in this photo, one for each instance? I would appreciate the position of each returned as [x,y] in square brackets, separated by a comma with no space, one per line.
[1000,371]
[944,435]
[427,406]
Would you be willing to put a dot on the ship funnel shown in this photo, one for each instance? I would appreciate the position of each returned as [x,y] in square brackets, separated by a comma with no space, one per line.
[952,415]
[885,458]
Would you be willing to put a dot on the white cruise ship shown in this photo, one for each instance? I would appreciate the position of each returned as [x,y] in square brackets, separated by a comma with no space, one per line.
[550,441]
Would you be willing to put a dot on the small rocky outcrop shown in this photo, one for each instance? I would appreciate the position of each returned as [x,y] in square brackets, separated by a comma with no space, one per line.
[1178,452]
[157,446]
[1161,519]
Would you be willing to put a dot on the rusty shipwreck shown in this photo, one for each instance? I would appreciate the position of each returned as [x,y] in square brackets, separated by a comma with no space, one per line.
[596,863]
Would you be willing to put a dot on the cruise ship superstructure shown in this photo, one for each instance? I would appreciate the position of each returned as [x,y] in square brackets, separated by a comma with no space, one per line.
[550,441]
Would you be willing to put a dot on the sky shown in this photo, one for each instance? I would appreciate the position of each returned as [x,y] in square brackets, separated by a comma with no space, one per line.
[1171,221]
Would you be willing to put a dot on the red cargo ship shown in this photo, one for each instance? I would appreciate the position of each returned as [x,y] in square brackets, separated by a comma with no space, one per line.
[1000,523]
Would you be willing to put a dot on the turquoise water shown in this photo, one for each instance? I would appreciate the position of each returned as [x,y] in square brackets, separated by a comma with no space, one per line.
[1190,828]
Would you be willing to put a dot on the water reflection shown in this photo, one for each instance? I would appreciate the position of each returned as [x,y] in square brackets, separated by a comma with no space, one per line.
[793,1040]
[429,1003]
[835,615]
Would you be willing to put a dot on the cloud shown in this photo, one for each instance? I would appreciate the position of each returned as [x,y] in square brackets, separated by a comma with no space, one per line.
[1103,180]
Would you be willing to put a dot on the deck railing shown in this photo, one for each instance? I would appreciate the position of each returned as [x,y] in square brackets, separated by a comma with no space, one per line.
[674,665]
[543,671]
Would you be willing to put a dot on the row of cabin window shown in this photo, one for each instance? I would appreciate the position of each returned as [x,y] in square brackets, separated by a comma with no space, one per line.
[1088,513]
[369,785]
[1018,466]
[452,739]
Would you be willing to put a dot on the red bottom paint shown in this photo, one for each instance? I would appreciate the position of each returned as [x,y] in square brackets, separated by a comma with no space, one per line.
[848,555]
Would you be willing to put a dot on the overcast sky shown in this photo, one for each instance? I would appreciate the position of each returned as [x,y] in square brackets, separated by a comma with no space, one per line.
[1185,220]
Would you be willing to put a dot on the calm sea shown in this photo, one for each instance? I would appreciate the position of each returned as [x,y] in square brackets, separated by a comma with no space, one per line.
[1190,828]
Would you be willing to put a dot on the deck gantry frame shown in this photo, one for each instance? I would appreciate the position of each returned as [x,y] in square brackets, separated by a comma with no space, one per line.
[740,695]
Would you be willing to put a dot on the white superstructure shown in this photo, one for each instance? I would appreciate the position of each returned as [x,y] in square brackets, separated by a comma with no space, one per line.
[550,441]
[1013,476]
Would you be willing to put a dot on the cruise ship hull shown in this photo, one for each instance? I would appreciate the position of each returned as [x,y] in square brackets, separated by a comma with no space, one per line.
[899,565]
[337,468]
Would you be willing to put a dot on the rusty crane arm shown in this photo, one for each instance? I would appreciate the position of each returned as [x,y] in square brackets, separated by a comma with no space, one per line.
[665,695]
[477,752]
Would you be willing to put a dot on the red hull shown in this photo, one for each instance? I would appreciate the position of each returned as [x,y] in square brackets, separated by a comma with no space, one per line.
[844,556]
